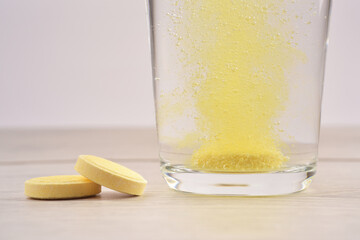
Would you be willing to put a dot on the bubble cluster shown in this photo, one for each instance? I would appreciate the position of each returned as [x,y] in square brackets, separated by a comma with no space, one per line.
[234,54]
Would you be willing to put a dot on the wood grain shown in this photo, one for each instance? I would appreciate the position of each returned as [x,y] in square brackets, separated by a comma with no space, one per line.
[66,144]
[329,209]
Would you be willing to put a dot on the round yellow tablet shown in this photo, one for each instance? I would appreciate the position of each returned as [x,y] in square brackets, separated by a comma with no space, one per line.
[61,187]
[110,174]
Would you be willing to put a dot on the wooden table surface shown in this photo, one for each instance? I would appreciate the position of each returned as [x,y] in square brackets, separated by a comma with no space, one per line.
[329,209]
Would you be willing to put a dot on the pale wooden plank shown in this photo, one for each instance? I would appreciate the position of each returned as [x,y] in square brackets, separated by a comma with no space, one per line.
[340,142]
[329,209]
[50,144]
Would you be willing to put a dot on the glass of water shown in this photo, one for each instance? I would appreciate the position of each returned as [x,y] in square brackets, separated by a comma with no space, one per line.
[238,87]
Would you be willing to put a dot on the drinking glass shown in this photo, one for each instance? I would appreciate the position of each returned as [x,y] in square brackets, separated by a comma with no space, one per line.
[238,88]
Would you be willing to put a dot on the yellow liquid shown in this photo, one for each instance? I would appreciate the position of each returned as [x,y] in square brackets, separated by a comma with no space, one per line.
[236,55]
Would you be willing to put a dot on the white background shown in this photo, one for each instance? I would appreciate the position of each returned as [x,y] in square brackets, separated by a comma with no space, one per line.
[86,63]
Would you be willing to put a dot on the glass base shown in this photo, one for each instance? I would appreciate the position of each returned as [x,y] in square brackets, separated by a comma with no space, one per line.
[283,182]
